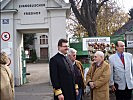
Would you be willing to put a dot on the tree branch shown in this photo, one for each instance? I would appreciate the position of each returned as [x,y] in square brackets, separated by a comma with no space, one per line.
[99,5]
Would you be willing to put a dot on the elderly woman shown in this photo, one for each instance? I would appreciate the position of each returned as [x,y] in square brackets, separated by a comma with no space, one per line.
[98,77]
[7,83]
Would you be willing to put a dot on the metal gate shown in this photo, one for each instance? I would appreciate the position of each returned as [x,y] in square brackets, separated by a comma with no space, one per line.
[23,56]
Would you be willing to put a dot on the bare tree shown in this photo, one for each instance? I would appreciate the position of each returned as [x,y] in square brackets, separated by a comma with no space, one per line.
[74,28]
[87,14]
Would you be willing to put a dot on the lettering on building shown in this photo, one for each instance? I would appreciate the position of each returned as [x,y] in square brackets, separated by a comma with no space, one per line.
[31,5]
[32,13]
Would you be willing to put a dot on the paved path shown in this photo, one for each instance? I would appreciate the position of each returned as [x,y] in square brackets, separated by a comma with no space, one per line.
[38,87]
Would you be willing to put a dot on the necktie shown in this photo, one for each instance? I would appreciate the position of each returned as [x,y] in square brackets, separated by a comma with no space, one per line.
[122,59]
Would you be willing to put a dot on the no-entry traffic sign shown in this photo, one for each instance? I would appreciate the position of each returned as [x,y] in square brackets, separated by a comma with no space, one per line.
[5,36]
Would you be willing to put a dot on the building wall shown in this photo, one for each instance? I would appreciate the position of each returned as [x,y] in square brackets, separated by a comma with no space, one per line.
[40,19]
[57,28]
[7,46]
[37,43]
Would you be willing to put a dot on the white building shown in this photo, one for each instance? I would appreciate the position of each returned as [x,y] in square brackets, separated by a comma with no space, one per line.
[47,18]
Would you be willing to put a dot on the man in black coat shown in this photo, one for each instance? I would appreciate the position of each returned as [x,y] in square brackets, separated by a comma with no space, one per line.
[61,74]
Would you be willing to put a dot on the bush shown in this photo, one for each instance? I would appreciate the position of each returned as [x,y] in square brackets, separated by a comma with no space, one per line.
[33,55]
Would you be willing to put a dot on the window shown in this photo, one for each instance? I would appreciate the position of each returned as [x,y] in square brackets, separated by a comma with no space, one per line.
[43,39]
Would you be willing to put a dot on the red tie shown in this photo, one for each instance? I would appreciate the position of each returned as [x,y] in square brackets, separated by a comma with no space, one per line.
[122,59]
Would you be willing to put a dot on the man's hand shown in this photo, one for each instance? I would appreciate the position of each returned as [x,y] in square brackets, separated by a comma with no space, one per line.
[77,91]
[91,85]
[113,88]
[61,97]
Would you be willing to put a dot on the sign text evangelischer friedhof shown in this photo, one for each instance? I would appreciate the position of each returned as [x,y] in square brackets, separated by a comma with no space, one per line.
[86,41]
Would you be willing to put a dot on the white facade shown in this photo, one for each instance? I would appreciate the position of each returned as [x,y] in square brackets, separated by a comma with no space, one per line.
[20,17]
[41,45]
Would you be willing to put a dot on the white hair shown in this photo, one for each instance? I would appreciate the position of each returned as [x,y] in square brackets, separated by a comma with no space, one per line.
[71,50]
[100,53]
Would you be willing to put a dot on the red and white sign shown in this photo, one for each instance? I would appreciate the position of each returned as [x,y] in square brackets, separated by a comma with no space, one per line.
[5,36]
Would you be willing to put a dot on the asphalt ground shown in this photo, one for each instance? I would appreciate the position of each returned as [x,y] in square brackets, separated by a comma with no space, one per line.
[38,85]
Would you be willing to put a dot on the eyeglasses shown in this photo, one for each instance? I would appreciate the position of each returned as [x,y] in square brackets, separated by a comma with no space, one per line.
[121,45]
[65,46]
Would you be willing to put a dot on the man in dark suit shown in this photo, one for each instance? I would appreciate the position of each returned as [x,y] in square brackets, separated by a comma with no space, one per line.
[61,74]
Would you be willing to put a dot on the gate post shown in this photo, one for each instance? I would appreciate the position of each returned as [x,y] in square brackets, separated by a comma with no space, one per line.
[23,57]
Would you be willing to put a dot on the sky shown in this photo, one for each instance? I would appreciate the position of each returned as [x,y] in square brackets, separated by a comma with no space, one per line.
[125,4]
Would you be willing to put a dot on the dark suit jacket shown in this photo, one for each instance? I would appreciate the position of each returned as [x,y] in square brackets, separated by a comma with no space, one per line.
[81,70]
[61,77]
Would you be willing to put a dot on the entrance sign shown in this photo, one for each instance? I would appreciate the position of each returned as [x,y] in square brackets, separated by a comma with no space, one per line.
[32,12]
[86,41]
[5,36]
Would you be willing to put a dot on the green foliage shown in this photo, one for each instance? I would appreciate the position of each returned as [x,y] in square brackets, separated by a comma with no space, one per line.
[110,19]
[33,56]
[28,40]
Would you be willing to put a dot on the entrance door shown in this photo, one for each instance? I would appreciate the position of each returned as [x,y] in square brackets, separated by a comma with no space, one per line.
[44,53]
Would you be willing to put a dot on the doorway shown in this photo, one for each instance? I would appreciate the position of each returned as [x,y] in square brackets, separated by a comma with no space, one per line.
[44,53]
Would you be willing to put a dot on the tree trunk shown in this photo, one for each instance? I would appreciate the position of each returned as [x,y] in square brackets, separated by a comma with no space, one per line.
[87,14]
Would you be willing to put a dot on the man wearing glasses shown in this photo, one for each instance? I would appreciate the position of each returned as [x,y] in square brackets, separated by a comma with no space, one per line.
[61,74]
[121,65]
